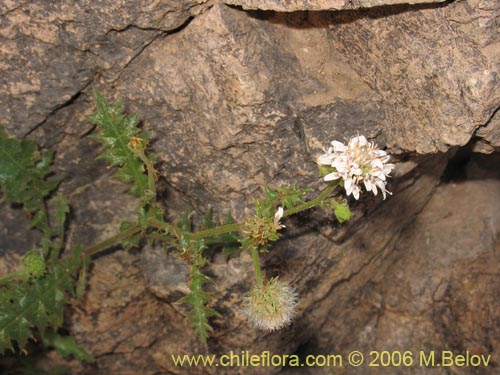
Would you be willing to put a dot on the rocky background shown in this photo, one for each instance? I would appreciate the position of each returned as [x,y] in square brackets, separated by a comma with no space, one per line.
[239,93]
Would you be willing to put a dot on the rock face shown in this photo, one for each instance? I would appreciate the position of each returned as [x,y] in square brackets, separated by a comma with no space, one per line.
[459,83]
[235,99]
[52,51]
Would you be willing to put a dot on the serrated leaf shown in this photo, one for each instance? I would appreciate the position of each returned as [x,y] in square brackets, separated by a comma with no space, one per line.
[229,219]
[37,303]
[147,212]
[198,298]
[207,221]
[79,266]
[185,222]
[62,209]
[23,177]
[66,345]
[13,324]
[81,283]
[291,197]
[271,194]
[115,130]
[132,241]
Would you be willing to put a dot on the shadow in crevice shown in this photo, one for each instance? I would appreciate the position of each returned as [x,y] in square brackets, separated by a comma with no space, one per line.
[469,165]
[456,167]
[306,19]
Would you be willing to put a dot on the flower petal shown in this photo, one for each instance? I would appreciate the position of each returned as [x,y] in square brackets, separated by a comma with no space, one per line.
[339,146]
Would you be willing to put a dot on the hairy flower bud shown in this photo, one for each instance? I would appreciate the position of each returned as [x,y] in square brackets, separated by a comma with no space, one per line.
[34,264]
[272,305]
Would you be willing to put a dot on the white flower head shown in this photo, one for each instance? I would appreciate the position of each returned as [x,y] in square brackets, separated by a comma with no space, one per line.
[272,305]
[358,161]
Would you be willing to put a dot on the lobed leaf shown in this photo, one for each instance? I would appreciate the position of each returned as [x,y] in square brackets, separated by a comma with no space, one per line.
[37,302]
[66,345]
[115,130]
[198,298]
[23,177]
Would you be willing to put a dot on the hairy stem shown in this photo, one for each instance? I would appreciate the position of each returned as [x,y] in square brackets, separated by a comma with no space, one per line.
[314,202]
[160,237]
[207,233]
[168,228]
[151,171]
[212,232]
[129,232]
[256,266]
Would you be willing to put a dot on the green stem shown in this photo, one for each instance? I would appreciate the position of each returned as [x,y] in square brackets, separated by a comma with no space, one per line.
[215,242]
[129,232]
[312,203]
[167,239]
[203,234]
[169,228]
[212,232]
[256,266]
[151,171]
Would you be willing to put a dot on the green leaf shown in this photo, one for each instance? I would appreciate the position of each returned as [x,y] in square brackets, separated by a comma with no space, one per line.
[62,209]
[281,196]
[23,177]
[325,169]
[37,303]
[272,195]
[185,222]
[78,264]
[207,221]
[115,130]
[147,212]
[341,211]
[291,197]
[66,345]
[132,241]
[198,298]
[14,326]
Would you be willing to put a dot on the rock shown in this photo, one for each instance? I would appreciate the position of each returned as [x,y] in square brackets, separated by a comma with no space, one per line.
[489,136]
[166,275]
[403,66]
[241,109]
[235,99]
[119,320]
[51,52]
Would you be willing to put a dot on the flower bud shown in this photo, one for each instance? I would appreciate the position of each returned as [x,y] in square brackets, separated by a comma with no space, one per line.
[34,264]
